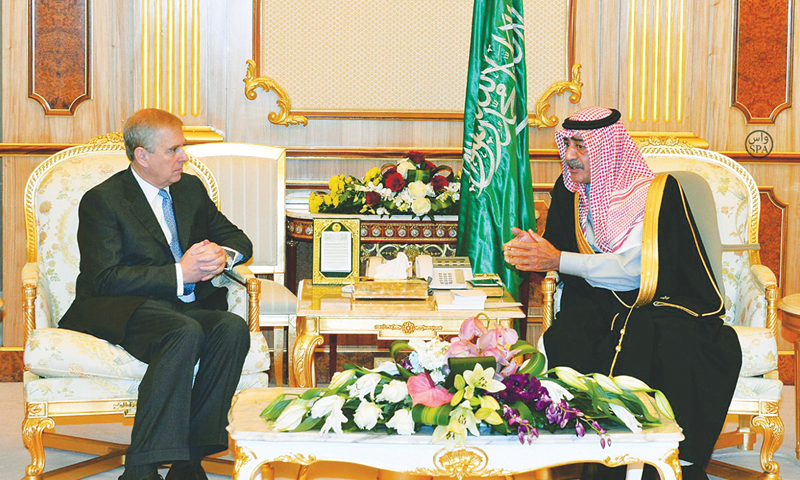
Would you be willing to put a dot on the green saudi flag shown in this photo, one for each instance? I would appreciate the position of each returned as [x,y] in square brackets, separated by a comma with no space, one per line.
[496,189]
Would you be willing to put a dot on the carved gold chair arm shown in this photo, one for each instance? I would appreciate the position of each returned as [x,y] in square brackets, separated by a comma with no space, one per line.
[30,281]
[548,301]
[245,276]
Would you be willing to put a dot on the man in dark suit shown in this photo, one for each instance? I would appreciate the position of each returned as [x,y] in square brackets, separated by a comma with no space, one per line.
[151,240]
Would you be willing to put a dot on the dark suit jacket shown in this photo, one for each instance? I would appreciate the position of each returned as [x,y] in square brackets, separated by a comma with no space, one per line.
[125,258]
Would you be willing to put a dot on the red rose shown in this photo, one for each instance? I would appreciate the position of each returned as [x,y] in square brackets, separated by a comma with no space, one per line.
[395,181]
[416,157]
[439,183]
[426,165]
[372,198]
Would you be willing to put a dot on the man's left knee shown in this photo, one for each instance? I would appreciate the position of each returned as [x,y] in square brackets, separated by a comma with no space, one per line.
[234,329]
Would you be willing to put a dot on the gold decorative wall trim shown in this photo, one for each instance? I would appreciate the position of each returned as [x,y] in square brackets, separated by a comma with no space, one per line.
[332,72]
[283,117]
[539,118]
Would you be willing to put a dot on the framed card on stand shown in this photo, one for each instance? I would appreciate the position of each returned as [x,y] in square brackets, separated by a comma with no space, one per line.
[337,243]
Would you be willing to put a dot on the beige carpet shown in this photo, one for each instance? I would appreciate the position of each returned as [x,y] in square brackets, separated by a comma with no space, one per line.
[14,458]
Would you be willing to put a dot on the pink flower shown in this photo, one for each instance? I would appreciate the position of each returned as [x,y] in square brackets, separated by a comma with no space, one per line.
[461,348]
[497,337]
[424,391]
[471,327]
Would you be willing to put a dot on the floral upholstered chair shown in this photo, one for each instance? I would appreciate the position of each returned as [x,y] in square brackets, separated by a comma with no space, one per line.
[725,202]
[71,374]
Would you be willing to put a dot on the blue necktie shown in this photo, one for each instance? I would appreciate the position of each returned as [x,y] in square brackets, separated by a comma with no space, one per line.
[172,225]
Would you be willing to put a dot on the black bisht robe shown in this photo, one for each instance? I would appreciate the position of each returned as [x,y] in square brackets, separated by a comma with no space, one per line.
[676,341]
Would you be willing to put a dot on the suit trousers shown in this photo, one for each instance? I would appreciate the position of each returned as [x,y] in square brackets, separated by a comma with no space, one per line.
[179,415]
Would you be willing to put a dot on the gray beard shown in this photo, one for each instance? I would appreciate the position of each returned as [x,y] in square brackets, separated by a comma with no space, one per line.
[574,164]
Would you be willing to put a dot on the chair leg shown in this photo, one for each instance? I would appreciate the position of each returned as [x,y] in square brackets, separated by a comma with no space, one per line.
[772,427]
[745,430]
[277,355]
[32,428]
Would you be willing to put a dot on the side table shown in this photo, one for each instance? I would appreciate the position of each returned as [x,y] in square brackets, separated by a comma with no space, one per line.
[790,306]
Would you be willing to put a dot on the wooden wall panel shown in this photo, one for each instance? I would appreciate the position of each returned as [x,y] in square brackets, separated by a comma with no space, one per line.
[59,69]
[226,42]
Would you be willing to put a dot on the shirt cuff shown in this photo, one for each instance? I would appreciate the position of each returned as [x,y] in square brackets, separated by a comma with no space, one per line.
[179,274]
[234,257]
[572,264]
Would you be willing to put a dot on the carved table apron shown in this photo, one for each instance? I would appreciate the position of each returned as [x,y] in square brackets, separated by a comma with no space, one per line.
[257,446]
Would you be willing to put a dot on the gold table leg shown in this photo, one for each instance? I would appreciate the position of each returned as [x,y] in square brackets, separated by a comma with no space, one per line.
[303,362]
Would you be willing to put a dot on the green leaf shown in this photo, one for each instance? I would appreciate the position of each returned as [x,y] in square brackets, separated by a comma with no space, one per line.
[311,393]
[524,347]
[534,365]
[308,423]
[274,409]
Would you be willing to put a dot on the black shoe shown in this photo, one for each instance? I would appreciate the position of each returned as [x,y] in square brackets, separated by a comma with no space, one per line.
[186,471]
[141,472]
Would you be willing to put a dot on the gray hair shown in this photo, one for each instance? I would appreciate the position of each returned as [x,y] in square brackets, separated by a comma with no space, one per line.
[142,127]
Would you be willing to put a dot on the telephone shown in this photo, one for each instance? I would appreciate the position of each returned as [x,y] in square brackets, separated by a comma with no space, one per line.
[444,273]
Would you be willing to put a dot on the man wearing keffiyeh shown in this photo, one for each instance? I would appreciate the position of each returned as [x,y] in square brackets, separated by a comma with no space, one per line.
[638,297]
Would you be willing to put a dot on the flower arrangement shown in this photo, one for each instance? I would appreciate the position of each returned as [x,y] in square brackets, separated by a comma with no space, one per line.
[413,186]
[457,388]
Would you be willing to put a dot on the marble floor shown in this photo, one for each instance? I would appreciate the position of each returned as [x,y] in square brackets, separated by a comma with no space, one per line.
[14,458]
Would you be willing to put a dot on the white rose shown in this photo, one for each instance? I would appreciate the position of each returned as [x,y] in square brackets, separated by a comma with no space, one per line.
[367,415]
[291,417]
[364,386]
[419,189]
[404,166]
[421,206]
[325,405]
[395,391]
[402,421]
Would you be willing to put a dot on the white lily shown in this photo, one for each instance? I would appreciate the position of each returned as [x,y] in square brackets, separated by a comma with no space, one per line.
[556,391]
[291,417]
[402,421]
[364,386]
[571,377]
[663,405]
[340,378]
[483,379]
[627,417]
[631,383]
[464,416]
[607,384]
[325,405]
[334,420]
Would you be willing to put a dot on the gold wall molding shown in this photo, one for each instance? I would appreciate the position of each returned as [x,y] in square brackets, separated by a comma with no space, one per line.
[404,62]
[170,49]
[539,118]
[283,117]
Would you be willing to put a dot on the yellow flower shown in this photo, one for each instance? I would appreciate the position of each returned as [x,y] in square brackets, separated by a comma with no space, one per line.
[488,411]
[335,199]
[336,184]
[328,199]
[372,174]
[315,200]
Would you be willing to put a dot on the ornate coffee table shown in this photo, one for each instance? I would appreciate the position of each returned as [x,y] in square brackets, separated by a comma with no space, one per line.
[323,309]
[257,446]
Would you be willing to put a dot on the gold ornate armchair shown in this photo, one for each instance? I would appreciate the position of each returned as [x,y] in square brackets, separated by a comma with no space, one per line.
[727,217]
[251,180]
[69,374]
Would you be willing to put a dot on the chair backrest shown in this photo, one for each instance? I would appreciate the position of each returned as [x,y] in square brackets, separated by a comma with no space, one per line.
[738,208]
[52,195]
[251,181]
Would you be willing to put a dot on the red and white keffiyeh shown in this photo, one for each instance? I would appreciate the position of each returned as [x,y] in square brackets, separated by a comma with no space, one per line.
[620,178]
